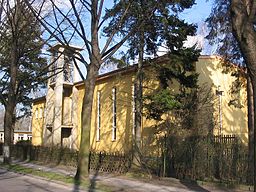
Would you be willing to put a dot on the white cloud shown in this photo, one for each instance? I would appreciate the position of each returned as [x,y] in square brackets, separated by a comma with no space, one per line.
[198,41]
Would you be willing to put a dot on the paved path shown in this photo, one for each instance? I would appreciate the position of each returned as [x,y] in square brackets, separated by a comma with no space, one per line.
[14,182]
[123,184]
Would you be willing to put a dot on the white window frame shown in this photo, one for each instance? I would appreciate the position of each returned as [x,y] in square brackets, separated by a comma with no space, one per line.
[29,137]
[133,108]
[20,137]
[98,116]
[114,114]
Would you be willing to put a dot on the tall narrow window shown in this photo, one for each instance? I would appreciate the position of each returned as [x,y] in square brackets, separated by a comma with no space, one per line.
[98,116]
[41,112]
[36,113]
[114,114]
[133,107]
[67,69]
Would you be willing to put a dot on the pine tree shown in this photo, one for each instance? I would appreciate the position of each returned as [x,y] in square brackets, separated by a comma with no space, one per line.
[159,24]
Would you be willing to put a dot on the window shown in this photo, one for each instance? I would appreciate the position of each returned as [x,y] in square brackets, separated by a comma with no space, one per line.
[67,69]
[53,67]
[30,137]
[40,112]
[98,116]
[114,114]
[20,137]
[36,113]
[133,107]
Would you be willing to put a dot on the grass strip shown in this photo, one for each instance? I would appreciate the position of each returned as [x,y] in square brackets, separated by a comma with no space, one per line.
[55,177]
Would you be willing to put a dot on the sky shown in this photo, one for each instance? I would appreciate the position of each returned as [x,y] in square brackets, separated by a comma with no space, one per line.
[197,15]
[199,12]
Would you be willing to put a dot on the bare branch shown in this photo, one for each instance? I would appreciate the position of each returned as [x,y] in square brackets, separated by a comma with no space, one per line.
[113,49]
[100,9]
[79,71]
[87,44]
[86,5]
[116,30]
[1,9]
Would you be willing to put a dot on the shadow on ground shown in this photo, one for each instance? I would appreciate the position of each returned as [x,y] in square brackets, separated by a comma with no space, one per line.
[193,186]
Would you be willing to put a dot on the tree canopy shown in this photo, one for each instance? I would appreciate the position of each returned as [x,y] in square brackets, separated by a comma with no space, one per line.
[20,63]
[25,35]
[159,26]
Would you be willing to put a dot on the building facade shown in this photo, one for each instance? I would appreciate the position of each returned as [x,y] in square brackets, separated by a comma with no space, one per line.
[18,135]
[22,130]
[56,118]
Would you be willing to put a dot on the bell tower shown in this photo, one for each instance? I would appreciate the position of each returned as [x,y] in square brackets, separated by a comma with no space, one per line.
[59,122]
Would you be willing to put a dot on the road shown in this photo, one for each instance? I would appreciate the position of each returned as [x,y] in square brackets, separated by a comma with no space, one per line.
[12,182]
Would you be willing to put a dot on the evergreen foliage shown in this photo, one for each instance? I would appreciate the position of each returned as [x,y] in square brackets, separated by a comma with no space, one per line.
[221,34]
[160,26]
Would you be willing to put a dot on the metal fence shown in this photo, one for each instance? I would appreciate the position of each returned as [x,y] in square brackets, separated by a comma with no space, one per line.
[221,158]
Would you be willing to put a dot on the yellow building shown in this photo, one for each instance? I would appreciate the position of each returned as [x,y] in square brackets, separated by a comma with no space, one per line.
[38,115]
[113,108]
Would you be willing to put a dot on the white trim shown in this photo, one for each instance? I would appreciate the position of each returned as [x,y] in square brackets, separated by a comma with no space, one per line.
[133,108]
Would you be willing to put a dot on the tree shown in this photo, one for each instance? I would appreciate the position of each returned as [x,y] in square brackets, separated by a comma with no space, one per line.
[159,25]
[83,21]
[20,63]
[232,27]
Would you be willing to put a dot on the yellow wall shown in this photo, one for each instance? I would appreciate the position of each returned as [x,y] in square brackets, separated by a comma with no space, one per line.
[38,122]
[67,105]
[233,119]
[123,85]
[149,132]
[77,125]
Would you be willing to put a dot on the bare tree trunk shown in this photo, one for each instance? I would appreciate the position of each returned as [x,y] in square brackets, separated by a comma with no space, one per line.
[138,106]
[250,130]
[92,72]
[8,129]
[10,107]
[83,160]
[97,57]
[253,171]
[244,32]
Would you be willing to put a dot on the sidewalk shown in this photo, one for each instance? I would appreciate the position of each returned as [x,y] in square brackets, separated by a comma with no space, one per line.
[122,183]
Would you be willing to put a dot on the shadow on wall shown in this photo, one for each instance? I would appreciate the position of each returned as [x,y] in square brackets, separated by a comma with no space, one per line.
[228,118]
[121,142]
